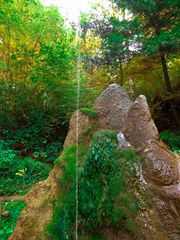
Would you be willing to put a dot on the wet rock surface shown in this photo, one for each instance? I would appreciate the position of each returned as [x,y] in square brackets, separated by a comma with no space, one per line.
[161,164]
[160,168]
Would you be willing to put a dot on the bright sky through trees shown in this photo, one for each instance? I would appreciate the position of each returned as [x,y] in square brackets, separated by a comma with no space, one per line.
[70,8]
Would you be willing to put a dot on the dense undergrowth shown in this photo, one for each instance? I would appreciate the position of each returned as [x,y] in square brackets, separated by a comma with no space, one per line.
[26,157]
[18,175]
[106,197]
[172,140]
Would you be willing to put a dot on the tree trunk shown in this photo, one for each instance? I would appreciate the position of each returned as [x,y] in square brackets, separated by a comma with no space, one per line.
[169,88]
[121,74]
[165,71]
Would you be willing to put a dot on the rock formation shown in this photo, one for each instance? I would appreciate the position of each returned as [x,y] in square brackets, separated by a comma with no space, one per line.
[160,170]
[160,175]
[112,107]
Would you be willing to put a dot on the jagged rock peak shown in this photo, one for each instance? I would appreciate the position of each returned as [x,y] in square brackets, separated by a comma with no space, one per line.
[140,127]
[112,107]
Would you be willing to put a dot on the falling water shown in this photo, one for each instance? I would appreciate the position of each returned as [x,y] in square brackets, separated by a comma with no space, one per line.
[78,72]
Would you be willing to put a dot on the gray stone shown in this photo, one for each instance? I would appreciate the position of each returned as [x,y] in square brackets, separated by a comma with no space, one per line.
[79,121]
[112,107]
[160,164]
[140,128]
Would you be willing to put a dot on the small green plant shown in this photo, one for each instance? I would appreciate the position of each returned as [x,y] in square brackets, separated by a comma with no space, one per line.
[106,194]
[172,140]
[89,112]
[8,223]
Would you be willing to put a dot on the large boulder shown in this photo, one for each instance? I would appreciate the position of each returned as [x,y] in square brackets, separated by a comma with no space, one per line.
[39,209]
[112,107]
[159,175]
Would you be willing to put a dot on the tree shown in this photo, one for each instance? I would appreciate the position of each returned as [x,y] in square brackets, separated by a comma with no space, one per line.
[119,38]
[37,63]
[159,22]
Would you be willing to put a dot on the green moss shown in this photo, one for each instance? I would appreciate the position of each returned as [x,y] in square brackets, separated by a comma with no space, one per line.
[89,112]
[68,163]
[56,161]
[65,155]
[106,194]
[87,131]
[8,223]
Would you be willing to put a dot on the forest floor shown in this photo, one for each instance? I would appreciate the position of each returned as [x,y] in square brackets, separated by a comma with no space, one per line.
[26,158]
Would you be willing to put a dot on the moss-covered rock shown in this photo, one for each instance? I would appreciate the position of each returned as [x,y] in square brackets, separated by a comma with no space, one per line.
[112,186]
[106,191]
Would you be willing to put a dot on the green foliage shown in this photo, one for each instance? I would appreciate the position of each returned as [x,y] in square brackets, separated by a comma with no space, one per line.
[69,165]
[89,112]
[107,182]
[18,175]
[172,140]
[96,237]
[40,140]
[8,223]
[159,21]
[37,64]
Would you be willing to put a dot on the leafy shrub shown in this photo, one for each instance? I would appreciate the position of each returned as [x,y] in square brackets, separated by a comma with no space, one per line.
[89,112]
[36,140]
[107,183]
[172,140]
[17,175]
[8,223]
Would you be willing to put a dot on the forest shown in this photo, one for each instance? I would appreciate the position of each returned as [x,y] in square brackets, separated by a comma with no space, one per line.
[48,70]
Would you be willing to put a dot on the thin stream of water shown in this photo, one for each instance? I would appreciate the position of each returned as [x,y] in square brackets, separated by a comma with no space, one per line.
[78,72]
